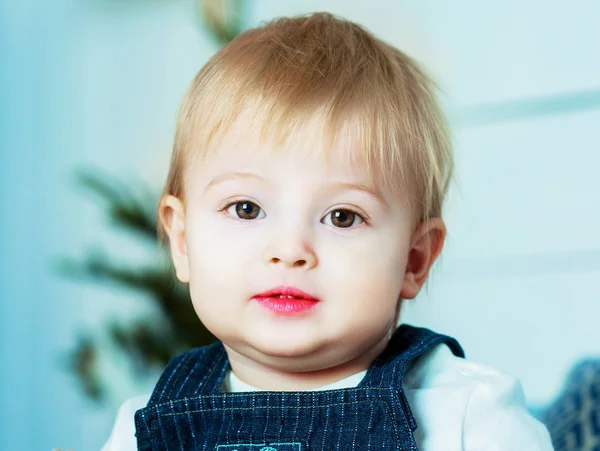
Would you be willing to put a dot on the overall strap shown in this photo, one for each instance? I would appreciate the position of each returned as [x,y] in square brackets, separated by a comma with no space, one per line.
[198,371]
[406,345]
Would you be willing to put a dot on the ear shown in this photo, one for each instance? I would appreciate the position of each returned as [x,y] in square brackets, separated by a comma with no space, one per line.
[427,242]
[171,214]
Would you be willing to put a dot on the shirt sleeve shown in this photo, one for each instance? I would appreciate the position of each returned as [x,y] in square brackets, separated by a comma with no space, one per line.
[122,437]
[496,419]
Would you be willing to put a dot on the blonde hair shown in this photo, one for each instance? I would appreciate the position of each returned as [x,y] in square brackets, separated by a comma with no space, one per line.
[290,70]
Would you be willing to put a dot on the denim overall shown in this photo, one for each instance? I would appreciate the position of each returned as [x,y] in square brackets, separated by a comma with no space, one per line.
[187,411]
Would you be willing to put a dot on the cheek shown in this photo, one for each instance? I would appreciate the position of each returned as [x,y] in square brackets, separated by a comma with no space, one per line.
[218,259]
[216,244]
[370,274]
[382,256]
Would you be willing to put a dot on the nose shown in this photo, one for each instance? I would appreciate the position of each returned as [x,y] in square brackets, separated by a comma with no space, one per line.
[293,251]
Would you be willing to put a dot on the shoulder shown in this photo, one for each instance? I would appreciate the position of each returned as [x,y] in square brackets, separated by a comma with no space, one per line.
[470,405]
[439,367]
[122,437]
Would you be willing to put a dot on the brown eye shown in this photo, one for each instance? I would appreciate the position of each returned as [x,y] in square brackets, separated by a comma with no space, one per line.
[344,219]
[246,210]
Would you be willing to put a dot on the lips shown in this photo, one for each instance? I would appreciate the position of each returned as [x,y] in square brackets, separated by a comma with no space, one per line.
[286,300]
[287,292]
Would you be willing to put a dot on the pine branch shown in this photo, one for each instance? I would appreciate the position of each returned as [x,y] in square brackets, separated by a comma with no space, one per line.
[148,345]
[124,208]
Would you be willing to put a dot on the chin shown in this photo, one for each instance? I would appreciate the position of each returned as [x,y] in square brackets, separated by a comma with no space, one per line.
[282,347]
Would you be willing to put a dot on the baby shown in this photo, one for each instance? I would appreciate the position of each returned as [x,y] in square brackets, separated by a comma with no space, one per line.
[303,206]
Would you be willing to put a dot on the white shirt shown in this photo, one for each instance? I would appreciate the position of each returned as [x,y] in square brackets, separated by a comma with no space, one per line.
[457,404]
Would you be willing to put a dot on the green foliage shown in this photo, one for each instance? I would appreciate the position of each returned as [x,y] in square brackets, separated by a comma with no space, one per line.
[147,344]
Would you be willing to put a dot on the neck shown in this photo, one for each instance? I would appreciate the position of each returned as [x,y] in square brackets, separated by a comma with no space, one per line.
[276,377]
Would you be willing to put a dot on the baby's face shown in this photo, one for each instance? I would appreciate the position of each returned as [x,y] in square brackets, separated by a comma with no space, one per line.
[255,221]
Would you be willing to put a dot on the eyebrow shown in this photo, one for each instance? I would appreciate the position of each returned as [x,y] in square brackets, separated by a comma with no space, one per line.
[228,176]
[361,187]
[231,176]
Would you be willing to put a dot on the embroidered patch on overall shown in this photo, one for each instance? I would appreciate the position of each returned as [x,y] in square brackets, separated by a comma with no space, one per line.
[290,446]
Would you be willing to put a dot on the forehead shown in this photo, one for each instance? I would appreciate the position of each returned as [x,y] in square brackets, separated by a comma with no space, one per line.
[306,148]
